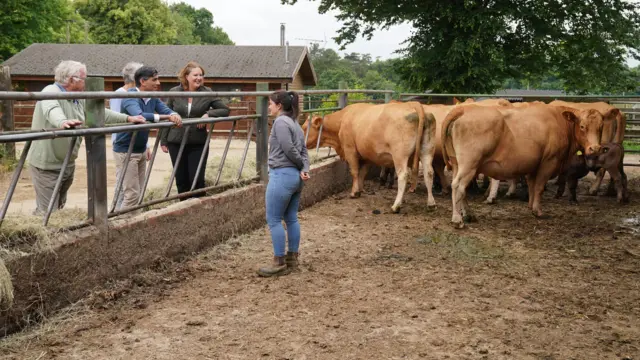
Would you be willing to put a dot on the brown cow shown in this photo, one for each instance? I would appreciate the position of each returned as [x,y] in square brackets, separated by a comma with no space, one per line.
[534,141]
[388,135]
[610,157]
[612,132]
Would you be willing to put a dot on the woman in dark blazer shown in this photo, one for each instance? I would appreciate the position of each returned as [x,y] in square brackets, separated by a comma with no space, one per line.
[191,79]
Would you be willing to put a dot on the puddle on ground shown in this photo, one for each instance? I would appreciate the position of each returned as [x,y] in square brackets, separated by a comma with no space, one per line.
[629,225]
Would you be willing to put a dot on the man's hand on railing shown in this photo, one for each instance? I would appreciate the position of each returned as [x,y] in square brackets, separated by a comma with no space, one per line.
[164,148]
[176,119]
[138,119]
[67,124]
[203,126]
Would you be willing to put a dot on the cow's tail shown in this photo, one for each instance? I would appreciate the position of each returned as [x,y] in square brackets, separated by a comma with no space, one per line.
[445,135]
[416,154]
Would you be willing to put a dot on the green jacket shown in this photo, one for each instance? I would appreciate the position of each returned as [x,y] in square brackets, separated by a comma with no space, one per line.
[210,105]
[49,114]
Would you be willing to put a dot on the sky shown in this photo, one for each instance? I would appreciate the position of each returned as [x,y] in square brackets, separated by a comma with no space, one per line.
[257,22]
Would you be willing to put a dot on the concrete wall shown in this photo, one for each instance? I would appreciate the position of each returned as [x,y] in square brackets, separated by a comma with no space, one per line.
[47,281]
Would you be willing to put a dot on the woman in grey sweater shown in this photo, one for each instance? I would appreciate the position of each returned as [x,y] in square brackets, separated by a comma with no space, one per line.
[288,169]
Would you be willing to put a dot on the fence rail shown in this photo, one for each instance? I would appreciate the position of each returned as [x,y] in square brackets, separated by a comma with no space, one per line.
[99,209]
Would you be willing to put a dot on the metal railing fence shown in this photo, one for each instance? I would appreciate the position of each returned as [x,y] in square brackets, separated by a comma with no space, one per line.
[95,131]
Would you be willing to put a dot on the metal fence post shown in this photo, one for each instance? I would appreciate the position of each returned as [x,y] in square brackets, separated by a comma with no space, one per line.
[387,98]
[342,99]
[262,133]
[6,108]
[96,158]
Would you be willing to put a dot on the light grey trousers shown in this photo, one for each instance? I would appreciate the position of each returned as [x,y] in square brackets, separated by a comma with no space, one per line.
[44,181]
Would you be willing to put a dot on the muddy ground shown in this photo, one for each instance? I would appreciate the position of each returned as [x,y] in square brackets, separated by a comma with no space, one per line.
[385,286]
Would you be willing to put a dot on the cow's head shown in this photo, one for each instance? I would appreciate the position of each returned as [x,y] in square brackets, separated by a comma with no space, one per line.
[588,127]
[312,125]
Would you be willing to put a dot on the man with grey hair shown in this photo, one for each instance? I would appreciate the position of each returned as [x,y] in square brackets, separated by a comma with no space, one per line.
[128,75]
[46,156]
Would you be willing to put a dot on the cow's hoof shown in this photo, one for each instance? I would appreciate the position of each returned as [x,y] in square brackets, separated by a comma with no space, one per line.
[573,202]
[592,193]
[490,201]
[510,196]
[395,210]
[541,216]
[469,218]
[457,225]
[431,207]
[356,195]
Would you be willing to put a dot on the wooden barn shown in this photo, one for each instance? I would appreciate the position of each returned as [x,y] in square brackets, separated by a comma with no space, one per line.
[227,68]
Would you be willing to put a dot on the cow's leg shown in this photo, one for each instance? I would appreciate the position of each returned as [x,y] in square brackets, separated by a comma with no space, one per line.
[531,182]
[354,168]
[596,184]
[403,177]
[493,191]
[364,169]
[612,190]
[426,157]
[391,177]
[542,176]
[462,178]
[383,176]
[561,182]
[616,177]
[623,182]
[438,167]
[511,192]
[573,185]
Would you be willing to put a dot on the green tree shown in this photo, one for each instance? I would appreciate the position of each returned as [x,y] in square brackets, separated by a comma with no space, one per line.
[202,25]
[474,45]
[32,21]
[129,21]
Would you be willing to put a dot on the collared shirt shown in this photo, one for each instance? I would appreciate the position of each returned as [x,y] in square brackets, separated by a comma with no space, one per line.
[75,101]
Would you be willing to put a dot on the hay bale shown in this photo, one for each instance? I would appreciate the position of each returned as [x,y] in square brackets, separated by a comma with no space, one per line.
[6,287]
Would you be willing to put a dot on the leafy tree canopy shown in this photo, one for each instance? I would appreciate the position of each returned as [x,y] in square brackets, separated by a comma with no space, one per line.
[475,45]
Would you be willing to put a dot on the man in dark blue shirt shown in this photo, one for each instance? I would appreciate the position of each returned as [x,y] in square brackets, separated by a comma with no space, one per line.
[153,110]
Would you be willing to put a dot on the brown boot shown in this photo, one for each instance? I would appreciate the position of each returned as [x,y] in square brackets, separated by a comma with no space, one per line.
[292,260]
[278,267]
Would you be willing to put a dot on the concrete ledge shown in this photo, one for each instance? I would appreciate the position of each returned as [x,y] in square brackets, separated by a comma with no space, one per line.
[85,260]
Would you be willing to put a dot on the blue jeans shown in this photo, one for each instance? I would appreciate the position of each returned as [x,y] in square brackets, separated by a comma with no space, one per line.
[283,199]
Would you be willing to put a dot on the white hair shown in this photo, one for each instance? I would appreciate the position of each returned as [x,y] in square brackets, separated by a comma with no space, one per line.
[129,72]
[67,69]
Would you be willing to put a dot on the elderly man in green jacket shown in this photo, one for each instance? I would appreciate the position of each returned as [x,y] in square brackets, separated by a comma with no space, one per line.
[46,156]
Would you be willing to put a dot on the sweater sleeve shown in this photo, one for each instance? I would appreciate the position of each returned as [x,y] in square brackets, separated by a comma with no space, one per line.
[112,117]
[131,107]
[217,108]
[284,136]
[53,112]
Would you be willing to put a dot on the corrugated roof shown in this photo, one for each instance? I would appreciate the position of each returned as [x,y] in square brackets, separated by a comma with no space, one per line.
[221,61]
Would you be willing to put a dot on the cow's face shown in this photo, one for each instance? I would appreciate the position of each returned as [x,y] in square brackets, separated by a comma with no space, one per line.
[588,127]
[312,125]
[597,160]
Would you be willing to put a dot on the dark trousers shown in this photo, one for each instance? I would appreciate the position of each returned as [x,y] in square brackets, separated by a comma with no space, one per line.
[186,171]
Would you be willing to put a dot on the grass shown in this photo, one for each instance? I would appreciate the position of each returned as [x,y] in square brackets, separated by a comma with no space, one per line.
[631,145]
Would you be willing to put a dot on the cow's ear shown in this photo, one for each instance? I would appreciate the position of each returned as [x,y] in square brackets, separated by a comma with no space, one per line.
[611,115]
[570,115]
[317,120]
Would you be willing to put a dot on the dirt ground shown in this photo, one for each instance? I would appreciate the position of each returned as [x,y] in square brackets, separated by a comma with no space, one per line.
[385,286]
[23,200]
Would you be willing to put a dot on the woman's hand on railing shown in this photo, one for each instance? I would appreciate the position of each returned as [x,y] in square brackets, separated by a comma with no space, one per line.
[67,124]
[138,119]
[203,126]
[164,148]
